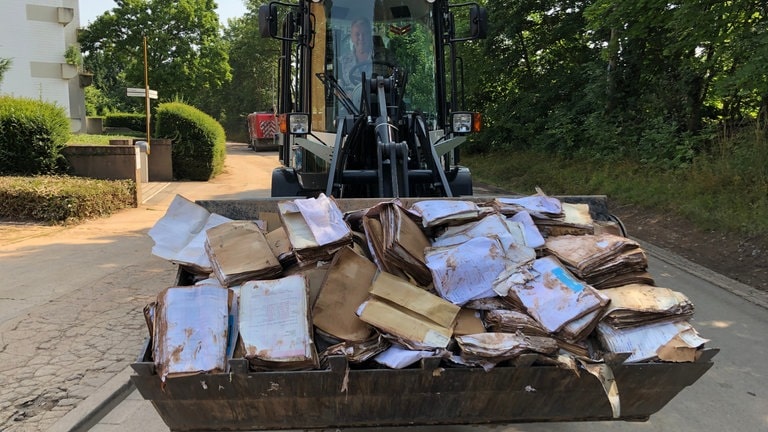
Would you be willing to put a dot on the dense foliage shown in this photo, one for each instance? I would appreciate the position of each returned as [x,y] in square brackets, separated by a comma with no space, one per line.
[32,134]
[63,199]
[133,121]
[253,87]
[199,143]
[653,80]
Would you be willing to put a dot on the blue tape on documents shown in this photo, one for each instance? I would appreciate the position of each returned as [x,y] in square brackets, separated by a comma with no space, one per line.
[567,280]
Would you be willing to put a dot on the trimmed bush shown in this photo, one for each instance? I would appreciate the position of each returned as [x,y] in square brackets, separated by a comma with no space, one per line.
[58,199]
[32,134]
[132,121]
[199,143]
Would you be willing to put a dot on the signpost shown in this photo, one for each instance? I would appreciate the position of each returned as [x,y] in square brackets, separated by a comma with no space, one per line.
[145,92]
[140,92]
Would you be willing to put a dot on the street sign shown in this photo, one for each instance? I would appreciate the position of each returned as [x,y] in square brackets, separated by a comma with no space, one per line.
[139,92]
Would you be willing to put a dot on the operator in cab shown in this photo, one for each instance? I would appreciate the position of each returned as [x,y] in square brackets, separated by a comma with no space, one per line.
[359,60]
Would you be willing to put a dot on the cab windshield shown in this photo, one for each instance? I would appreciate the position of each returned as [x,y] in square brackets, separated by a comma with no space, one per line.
[371,37]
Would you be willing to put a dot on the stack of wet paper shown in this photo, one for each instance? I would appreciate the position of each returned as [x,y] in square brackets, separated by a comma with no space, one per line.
[274,324]
[179,235]
[650,323]
[603,260]
[434,213]
[489,349]
[190,330]
[408,314]
[552,217]
[565,306]
[396,242]
[315,228]
[512,321]
[334,314]
[468,270]
[473,285]
[494,225]
[239,251]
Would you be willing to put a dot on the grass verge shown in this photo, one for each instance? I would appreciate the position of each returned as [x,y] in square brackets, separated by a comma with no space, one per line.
[88,139]
[713,193]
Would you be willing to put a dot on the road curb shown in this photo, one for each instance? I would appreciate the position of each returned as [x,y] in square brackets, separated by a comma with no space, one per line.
[735,287]
[88,412]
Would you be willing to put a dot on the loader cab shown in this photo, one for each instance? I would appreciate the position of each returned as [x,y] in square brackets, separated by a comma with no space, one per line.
[374,84]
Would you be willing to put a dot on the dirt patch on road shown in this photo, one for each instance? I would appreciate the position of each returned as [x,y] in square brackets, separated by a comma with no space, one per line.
[12,232]
[741,258]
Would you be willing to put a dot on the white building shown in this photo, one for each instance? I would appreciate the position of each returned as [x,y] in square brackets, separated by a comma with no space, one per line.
[35,35]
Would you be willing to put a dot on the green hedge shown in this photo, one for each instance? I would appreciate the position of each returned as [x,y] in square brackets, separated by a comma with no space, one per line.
[60,199]
[199,143]
[133,121]
[32,134]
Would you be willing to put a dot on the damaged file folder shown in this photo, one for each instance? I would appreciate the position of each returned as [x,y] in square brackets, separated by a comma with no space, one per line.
[315,227]
[409,314]
[275,329]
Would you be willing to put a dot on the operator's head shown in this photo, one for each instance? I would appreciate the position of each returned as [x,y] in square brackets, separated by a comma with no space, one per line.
[360,33]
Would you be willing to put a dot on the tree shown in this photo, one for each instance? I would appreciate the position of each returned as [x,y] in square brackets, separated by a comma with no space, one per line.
[253,60]
[646,79]
[187,59]
[5,64]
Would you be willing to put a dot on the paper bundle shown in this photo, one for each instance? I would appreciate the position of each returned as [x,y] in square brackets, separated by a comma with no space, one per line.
[603,260]
[445,212]
[190,330]
[468,270]
[540,206]
[576,220]
[668,341]
[410,315]
[510,321]
[275,330]
[508,232]
[179,235]
[357,352]
[315,228]
[554,297]
[397,243]
[344,289]
[488,349]
[239,251]
[638,304]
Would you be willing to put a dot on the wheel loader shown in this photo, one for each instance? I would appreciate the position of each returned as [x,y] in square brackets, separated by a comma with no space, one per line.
[370,108]
[387,123]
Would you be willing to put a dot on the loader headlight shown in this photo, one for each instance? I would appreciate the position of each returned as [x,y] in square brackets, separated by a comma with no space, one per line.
[294,123]
[464,122]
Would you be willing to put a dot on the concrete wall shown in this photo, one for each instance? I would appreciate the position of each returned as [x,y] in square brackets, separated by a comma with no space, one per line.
[123,161]
[107,163]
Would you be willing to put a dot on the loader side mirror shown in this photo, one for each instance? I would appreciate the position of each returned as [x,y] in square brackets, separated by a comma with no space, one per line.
[478,22]
[268,20]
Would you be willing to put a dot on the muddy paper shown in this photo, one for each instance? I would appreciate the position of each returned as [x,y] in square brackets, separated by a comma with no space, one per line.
[190,330]
[274,323]
[179,235]
[344,289]
[399,308]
